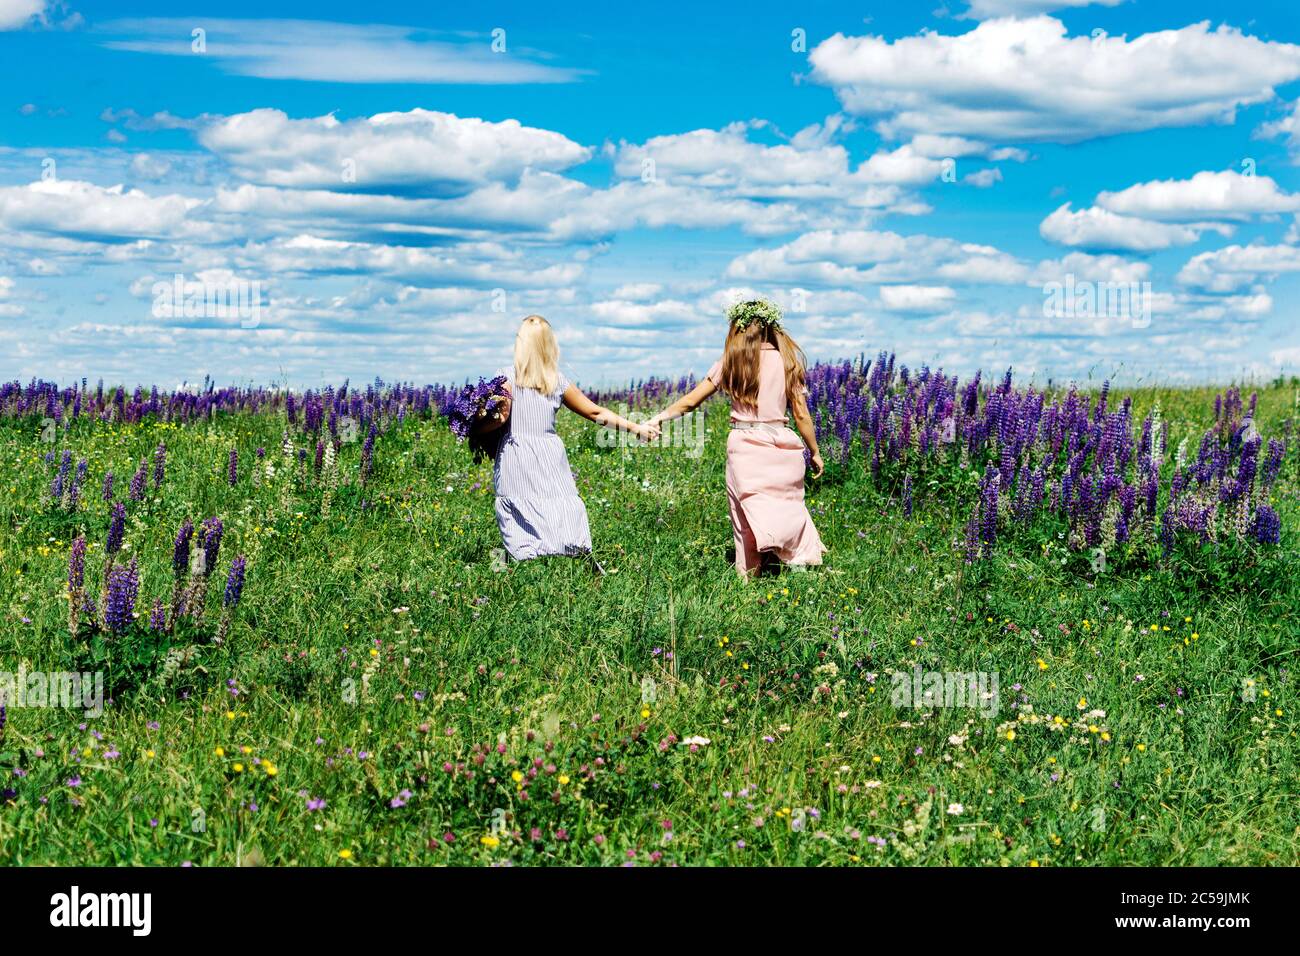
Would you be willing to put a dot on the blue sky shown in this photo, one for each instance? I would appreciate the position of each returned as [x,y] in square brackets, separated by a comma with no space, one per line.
[398,185]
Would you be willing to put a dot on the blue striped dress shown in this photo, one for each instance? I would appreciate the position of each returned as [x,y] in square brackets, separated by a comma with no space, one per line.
[537,504]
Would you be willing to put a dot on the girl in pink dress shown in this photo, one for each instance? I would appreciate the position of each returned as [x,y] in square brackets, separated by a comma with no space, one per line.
[762,372]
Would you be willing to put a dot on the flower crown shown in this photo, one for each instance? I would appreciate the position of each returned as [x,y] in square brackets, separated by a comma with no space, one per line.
[762,311]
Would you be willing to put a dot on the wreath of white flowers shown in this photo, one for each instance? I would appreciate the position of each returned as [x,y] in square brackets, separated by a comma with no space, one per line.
[765,313]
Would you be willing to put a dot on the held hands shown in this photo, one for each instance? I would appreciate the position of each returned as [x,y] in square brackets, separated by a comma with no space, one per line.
[647,432]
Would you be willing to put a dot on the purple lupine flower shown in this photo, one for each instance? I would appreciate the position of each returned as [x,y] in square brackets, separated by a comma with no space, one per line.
[136,490]
[119,602]
[210,538]
[158,616]
[1248,466]
[232,468]
[1267,526]
[1128,503]
[1273,464]
[472,402]
[116,529]
[77,565]
[61,479]
[181,549]
[74,492]
[107,489]
[1168,533]
[989,509]
[159,465]
[368,454]
[234,583]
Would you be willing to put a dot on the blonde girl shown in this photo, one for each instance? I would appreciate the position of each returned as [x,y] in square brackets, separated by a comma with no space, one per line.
[537,505]
[762,372]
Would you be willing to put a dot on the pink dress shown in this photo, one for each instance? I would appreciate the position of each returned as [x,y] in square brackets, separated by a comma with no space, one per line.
[765,469]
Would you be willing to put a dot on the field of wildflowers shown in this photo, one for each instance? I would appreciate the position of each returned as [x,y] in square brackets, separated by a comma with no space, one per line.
[310,655]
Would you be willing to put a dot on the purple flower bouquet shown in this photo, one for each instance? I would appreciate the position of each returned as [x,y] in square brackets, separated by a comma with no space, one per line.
[471,406]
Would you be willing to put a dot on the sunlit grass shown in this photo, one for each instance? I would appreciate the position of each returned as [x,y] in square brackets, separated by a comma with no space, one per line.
[384,630]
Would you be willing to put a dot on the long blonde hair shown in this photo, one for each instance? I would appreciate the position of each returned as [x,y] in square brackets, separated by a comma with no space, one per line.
[537,356]
[740,361]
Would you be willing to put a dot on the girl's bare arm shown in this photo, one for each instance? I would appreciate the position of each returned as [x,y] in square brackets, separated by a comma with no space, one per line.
[577,402]
[803,422]
[687,403]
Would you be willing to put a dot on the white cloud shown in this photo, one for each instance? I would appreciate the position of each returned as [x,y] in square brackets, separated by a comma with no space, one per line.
[916,298]
[830,257]
[424,150]
[603,212]
[149,167]
[8,310]
[1236,267]
[540,207]
[1287,357]
[18,13]
[809,167]
[1207,195]
[1096,228]
[1026,80]
[665,314]
[482,264]
[337,52]
[1287,128]
[1233,306]
[638,291]
[83,210]
[941,147]
[158,121]
[987,9]
[902,166]
[1091,268]
[984,178]
[727,159]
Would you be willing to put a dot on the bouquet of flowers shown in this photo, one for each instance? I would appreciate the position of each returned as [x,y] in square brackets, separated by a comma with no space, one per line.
[471,406]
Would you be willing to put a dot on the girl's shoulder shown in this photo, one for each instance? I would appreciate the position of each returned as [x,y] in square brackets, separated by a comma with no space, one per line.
[714,374]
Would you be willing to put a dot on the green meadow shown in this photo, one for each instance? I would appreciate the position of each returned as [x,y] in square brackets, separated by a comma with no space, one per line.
[388,692]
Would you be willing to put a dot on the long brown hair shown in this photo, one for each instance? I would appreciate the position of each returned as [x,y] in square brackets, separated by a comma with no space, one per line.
[740,362]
